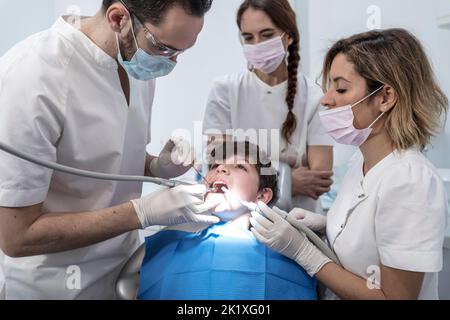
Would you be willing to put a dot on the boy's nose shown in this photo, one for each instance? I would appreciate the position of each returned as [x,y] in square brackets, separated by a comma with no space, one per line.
[222,169]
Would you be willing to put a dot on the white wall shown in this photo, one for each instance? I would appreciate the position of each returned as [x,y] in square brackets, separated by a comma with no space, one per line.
[21,18]
[325,21]
[441,154]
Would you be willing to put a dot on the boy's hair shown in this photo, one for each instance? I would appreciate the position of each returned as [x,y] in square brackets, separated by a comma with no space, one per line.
[268,176]
[154,11]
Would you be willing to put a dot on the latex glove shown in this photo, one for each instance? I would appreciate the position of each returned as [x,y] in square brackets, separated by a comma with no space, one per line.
[179,205]
[311,183]
[279,235]
[315,222]
[175,159]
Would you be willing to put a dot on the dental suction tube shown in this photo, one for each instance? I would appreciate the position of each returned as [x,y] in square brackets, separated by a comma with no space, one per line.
[89,174]
[314,238]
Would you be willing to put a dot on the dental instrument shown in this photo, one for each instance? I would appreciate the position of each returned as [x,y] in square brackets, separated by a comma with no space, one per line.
[90,174]
[200,175]
[313,237]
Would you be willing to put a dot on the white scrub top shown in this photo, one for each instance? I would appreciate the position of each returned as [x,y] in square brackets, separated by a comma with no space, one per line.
[243,101]
[394,216]
[61,100]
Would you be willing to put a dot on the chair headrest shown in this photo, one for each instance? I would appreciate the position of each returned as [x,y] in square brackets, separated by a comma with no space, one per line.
[284,199]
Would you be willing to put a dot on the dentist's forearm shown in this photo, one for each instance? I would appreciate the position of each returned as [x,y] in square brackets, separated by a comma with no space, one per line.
[58,232]
[347,285]
[395,284]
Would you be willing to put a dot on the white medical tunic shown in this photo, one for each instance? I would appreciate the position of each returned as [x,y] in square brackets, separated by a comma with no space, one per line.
[61,100]
[242,103]
[394,216]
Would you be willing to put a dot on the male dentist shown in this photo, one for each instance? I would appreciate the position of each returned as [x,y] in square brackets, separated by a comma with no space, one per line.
[81,95]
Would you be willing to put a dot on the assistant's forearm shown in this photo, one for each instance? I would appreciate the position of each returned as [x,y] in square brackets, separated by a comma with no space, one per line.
[320,158]
[57,232]
[347,285]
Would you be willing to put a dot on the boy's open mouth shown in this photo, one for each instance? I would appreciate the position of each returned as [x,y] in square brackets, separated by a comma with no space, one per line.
[216,187]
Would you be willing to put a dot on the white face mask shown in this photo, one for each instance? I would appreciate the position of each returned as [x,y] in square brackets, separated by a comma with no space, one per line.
[266,56]
[338,123]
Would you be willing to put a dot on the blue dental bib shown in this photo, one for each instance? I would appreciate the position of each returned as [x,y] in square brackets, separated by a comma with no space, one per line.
[221,263]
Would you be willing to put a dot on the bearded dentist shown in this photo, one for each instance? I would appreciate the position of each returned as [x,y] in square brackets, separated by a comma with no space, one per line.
[81,96]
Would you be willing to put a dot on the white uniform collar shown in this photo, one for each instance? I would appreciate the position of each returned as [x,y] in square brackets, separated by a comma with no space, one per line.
[83,44]
[279,88]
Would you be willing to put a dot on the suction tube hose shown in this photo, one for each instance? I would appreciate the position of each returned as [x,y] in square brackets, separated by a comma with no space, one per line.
[89,174]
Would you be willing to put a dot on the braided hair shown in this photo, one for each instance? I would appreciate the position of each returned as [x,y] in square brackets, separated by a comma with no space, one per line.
[284,17]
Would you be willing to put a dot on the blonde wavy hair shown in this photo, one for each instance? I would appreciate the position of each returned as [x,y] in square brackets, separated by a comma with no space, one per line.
[396,58]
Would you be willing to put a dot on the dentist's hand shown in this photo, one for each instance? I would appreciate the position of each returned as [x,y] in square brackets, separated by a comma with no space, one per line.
[174,160]
[280,236]
[180,205]
[315,222]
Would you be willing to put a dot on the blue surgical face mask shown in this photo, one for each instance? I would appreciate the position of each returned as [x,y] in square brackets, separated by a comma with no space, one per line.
[144,66]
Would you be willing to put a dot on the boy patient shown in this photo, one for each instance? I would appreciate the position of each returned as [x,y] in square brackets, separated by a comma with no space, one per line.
[225,261]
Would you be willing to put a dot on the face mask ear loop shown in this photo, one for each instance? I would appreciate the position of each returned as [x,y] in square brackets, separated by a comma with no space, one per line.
[379,117]
[117,41]
[132,31]
[367,97]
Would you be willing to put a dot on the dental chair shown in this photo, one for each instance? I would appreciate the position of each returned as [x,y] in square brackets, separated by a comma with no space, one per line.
[127,284]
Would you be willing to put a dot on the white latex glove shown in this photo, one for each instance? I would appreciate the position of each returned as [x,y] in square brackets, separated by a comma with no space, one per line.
[175,159]
[179,205]
[315,222]
[280,236]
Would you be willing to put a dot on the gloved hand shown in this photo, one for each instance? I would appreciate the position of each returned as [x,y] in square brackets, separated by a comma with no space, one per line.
[315,222]
[175,159]
[280,236]
[182,204]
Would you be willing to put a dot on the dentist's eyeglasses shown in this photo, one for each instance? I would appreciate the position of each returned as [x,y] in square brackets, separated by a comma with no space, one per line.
[158,47]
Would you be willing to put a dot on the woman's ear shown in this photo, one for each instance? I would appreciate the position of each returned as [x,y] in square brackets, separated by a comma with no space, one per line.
[290,40]
[388,99]
[266,195]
